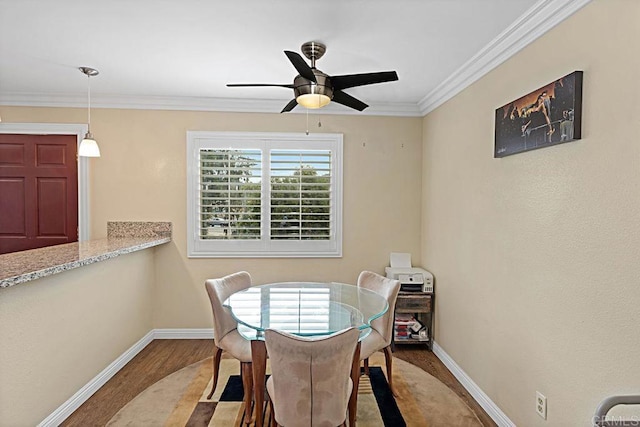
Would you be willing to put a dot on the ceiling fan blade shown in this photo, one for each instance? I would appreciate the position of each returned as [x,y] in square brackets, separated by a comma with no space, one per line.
[348,100]
[352,80]
[290,106]
[301,65]
[257,84]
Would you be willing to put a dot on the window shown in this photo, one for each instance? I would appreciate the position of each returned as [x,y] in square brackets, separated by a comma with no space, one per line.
[264,194]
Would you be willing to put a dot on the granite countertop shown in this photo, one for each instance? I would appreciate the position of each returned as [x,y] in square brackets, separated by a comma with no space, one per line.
[21,267]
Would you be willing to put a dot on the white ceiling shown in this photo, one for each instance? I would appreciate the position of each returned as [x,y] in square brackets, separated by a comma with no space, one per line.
[181,54]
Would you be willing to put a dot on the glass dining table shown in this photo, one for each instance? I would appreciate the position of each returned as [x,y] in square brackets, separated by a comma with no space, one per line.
[305,309]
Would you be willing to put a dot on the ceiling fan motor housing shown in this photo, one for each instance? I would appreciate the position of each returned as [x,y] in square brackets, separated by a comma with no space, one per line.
[302,86]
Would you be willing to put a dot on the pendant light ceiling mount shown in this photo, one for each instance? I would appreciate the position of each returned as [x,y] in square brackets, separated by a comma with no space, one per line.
[89,72]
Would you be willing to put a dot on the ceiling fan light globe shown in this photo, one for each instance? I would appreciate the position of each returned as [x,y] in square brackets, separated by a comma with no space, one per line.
[88,147]
[313,100]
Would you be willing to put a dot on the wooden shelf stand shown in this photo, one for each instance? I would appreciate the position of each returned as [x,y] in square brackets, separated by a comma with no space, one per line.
[420,306]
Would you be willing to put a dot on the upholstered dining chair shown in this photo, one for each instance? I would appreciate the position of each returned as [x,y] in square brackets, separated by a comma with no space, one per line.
[381,334]
[225,332]
[310,382]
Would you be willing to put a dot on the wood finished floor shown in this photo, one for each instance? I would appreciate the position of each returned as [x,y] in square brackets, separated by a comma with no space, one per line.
[163,357]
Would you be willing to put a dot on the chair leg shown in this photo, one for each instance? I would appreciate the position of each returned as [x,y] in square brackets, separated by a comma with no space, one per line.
[366,366]
[355,377]
[389,359]
[273,415]
[247,384]
[217,354]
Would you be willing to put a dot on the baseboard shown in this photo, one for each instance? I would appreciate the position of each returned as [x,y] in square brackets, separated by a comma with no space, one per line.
[183,334]
[81,396]
[499,417]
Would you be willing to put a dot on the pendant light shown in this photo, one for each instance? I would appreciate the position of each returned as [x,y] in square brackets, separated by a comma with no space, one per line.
[89,146]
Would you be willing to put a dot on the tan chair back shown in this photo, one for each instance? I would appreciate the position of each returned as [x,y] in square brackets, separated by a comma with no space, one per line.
[219,290]
[310,383]
[387,288]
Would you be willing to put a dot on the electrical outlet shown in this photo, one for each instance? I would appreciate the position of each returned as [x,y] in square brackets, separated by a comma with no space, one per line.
[541,405]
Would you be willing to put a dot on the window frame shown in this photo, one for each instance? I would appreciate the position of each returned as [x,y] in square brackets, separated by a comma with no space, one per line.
[264,247]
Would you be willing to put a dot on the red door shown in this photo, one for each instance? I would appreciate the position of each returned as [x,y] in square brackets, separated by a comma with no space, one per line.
[38,191]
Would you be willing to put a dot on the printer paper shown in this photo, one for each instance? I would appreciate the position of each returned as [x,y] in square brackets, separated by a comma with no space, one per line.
[400,260]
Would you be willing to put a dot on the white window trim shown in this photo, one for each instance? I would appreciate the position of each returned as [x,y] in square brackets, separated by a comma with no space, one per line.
[83,165]
[198,248]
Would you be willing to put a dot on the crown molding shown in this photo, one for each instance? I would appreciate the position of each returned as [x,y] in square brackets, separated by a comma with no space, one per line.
[540,18]
[184,103]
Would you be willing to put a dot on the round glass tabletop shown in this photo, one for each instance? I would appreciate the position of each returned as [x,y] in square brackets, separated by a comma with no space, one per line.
[305,308]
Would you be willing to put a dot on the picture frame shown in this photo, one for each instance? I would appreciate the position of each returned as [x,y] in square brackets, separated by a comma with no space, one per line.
[547,116]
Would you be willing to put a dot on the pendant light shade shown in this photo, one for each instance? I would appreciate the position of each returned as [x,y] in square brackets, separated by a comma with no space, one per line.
[89,146]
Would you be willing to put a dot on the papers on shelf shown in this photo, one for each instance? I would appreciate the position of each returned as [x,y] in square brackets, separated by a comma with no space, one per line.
[408,327]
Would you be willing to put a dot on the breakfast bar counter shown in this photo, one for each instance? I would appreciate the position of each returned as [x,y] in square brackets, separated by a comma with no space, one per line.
[123,238]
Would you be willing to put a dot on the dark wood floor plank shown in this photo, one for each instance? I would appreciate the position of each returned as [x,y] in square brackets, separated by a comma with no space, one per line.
[157,360]
[430,363]
[163,357]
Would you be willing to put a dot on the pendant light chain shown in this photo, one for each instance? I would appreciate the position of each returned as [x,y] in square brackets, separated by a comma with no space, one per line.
[307,121]
[89,103]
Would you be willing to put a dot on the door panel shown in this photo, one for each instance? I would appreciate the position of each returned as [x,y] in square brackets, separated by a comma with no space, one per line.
[38,191]
[12,206]
[51,155]
[52,207]
[11,154]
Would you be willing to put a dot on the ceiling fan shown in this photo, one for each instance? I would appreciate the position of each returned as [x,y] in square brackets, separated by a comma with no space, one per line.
[315,89]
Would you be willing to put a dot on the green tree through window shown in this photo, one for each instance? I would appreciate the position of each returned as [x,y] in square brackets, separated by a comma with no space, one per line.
[231,194]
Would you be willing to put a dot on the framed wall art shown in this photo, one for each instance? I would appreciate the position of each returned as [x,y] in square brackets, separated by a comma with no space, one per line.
[547,116]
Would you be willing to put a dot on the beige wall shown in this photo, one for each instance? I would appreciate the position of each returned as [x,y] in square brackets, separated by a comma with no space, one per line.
[536,255]
[57,325]
[142,176]
[59,332]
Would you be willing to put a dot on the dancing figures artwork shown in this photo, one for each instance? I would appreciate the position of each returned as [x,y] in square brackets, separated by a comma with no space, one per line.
[547,116]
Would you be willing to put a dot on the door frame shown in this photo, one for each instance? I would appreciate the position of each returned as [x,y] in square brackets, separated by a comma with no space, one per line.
[83,164]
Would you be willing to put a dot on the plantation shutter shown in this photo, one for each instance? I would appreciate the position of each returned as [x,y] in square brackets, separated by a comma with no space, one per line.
[300,194]
[230,194]
[253,194]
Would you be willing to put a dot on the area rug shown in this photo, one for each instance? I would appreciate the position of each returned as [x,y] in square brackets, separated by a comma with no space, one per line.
[180,399]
